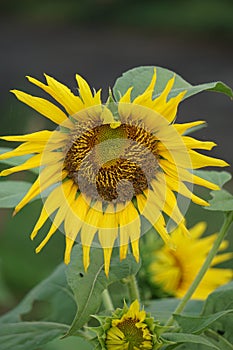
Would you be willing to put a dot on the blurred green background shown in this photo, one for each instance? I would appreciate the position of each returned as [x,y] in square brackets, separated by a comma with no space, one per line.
[100,40]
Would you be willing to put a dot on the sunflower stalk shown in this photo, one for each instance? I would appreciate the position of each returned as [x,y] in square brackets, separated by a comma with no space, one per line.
[224,229]
[133,288]
[107,301]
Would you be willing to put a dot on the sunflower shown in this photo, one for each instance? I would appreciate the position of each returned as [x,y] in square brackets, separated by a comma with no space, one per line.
[130,331]
[175,270]
[107,168]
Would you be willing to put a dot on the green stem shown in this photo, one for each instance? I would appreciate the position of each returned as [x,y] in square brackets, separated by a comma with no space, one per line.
[133,288]
[107,301]
[226,224]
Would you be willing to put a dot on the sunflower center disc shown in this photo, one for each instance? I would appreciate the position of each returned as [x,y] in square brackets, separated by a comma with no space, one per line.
[112,164]
[133,335]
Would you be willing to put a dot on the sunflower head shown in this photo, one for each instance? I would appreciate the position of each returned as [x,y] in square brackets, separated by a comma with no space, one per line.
[105,168]
[175,270]
[129,329]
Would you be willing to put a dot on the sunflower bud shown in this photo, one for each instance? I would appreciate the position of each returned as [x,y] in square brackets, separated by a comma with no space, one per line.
[129,329]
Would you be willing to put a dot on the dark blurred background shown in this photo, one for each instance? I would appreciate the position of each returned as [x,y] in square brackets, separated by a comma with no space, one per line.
[100,40]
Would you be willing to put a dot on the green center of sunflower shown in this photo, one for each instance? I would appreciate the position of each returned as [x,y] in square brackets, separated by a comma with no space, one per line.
[110,163]
[132,334]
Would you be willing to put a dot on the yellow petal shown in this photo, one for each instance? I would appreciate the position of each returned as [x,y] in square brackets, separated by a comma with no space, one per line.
[49,176]
[97,98]
[126,98]
[181,128]
[91,224]
[52,230]
[76,216]
[162,98]
[46,108]
[39,136]
[73,222]
[86,256]
[44,215]
[25,148]
[107,258]
[85,91]
[161,229]
[180,187]
[54,200]
[145,98]
[34,162]
[64,96]
[201,160]
[147,207]
[169,110]
[130,228]
[181,174]
[221,258]
[151,86]
[69,246]
[67,194]
[197,230]
[193,143]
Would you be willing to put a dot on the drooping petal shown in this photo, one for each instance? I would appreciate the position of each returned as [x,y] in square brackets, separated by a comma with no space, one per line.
[149,210]
[89,229]
[73,222]
[108,232]
[49,176]
[130,229]
[68,192]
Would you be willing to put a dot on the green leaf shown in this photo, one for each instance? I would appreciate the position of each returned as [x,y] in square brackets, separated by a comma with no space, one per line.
[29,335]
[140,78]
[162,309]
[221,299]
[221,201]
[71,343]
[51,300]
[88,287]
[218,340]
[197,324]
[188,338]
[14,161]
[217,177]
[11,192]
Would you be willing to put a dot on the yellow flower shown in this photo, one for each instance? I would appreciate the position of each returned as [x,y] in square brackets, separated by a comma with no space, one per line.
[131,331]
[175,270]
[106,167]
